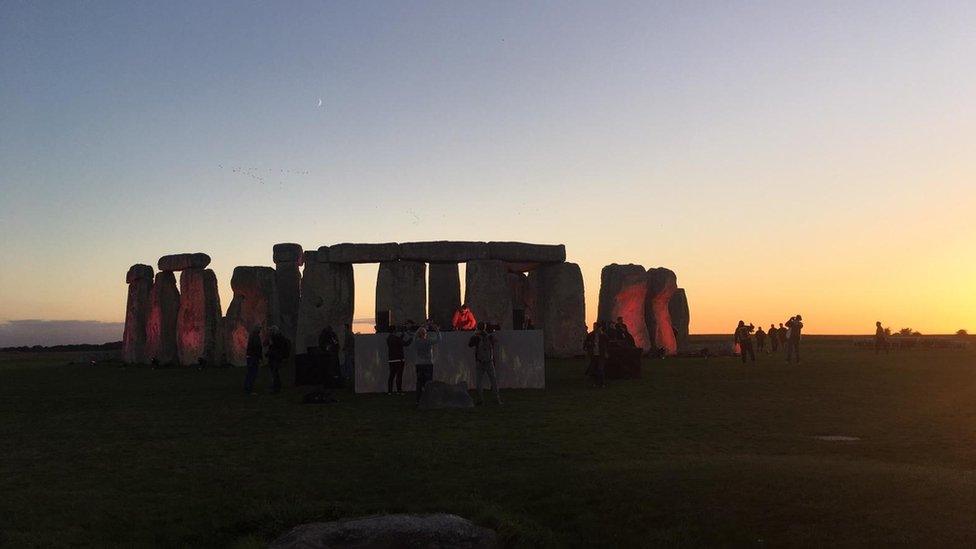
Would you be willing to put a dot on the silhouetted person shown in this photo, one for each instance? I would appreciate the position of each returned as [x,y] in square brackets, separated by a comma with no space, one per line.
[625,336]
[278,350]
[744,340]
[595,346]
[484,358]
[773,337]
[349,354]
[395,342]
[795,327]
[760,340]
[329,351]
[783,334]
[253,354]
[464,319]
[880,339]
[424,349]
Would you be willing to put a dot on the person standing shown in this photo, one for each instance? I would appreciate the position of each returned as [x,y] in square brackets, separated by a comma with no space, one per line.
[595,345]
[795,326]
[880,339]
[773,334]
[743,338]
[395,342]
[463,319]
[783,335]
[329,351]
[278,350]
[424,350]
[253,354]
[484,358]
[349,354]
[760,340]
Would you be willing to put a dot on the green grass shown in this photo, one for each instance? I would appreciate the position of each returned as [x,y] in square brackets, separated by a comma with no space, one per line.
[695,453]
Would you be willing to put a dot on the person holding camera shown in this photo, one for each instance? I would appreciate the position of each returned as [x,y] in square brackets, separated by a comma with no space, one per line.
[484,356]
[253,354]
[596,347]
[425,339]
[795,326]
[395,343]
[463,319]
[278,350]
[743,338]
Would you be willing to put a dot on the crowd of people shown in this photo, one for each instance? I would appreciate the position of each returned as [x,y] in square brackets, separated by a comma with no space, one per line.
[787,335]
[422,339]
[599,342]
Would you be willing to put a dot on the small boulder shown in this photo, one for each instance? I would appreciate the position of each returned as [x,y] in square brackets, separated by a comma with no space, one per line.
[438,395]
[389,531]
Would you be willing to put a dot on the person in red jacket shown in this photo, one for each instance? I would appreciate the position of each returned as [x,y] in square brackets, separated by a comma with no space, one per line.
[464,319]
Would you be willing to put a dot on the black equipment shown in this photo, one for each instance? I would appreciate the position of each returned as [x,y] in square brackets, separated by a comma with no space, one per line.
[518,319]
[384,319]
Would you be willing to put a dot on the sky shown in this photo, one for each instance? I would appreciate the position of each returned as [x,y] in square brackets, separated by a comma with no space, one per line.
[780,157]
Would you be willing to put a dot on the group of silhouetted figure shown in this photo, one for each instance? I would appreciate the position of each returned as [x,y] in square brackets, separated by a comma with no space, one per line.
[787,335]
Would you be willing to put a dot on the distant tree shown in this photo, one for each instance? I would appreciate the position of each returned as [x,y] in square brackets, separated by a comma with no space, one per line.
[962,333]
[887,331]
[916,333]
[905,332]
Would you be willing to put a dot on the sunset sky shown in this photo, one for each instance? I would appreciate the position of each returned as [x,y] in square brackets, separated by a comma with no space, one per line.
[780,157]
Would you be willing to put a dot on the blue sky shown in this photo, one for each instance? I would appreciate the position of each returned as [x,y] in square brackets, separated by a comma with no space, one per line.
[766,151]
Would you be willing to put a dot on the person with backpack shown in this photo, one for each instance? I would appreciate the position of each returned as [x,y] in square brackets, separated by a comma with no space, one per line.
[426,338]
[278,350]
[795,326]
[253,354]
[484,357]
[744,339]
[395,342]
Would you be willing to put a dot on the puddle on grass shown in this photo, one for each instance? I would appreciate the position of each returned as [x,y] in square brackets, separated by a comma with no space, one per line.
[837,438]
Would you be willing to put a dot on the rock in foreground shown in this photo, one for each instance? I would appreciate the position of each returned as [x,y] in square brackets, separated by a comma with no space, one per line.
[388,531]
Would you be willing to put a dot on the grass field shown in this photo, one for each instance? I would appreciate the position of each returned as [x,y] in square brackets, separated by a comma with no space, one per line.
[695,453]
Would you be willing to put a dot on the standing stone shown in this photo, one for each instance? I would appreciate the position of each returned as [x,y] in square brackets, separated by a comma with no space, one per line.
[197,325]
[164,309]
[443,293]
[518,285]
[680,318]
[401,289]
[288,281]
[139,278]
[486,292]
[328,294]
[661,285]
[255,304]
[623,289]
[560,308]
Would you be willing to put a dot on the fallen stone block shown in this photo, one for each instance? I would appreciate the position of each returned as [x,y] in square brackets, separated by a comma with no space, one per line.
[180,262]
[438,395]
[390,532]
[520,252]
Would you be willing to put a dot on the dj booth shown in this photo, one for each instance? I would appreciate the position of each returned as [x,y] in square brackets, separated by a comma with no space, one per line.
[519,361]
